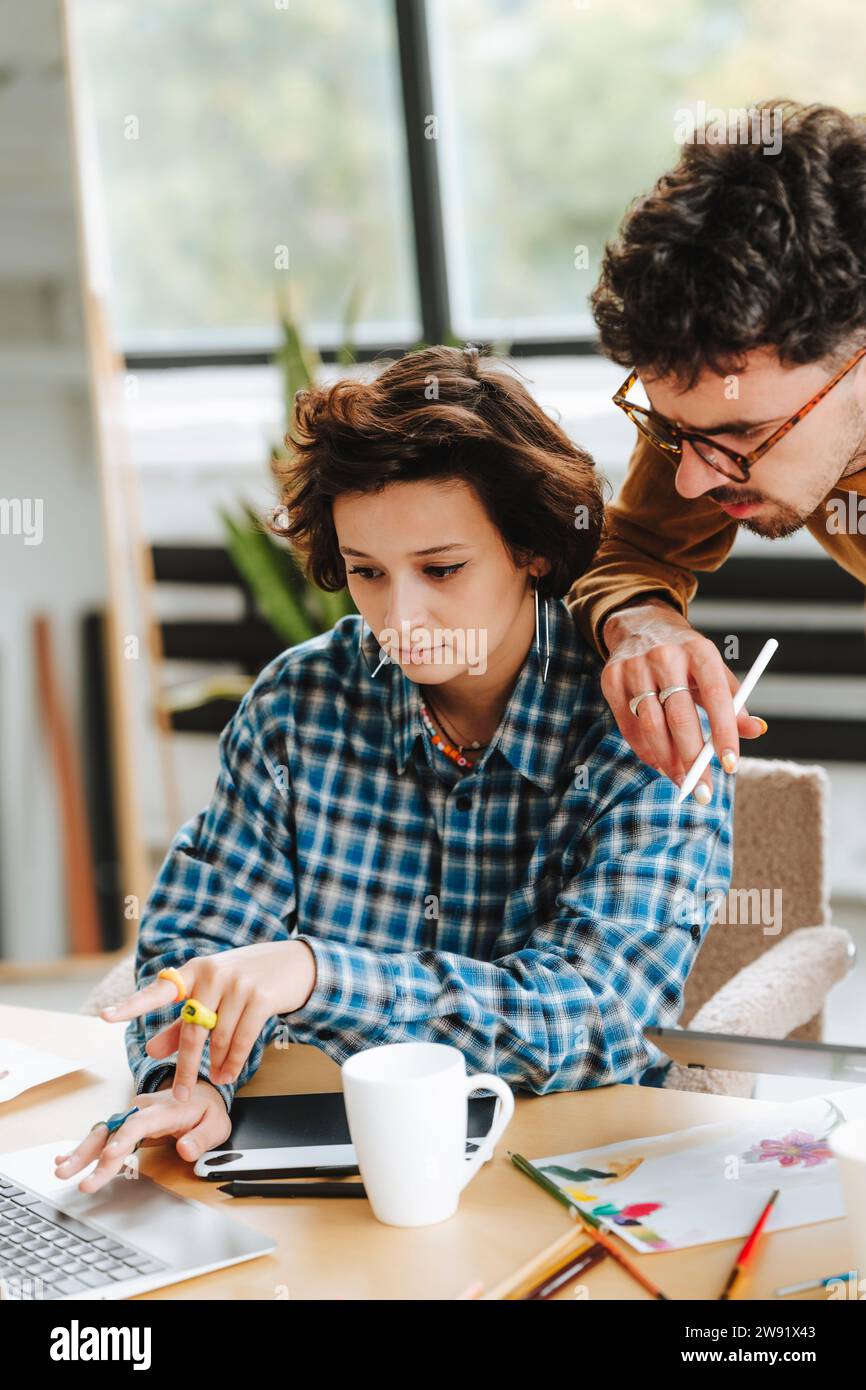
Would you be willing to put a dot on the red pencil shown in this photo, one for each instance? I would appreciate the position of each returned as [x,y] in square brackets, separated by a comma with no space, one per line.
[747,1251]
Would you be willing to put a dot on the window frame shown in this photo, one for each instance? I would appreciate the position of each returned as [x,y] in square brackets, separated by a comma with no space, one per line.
[428,233]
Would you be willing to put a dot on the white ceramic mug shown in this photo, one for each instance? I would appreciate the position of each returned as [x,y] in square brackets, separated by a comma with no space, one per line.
[408,1107]
[848,1143]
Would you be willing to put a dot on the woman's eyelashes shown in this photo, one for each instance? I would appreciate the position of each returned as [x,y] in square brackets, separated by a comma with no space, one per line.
[436,572]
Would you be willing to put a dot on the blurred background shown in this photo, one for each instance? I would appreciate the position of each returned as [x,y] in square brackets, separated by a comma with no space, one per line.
[202,206]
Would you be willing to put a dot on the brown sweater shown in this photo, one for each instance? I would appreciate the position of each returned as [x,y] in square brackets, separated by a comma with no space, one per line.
[657,541]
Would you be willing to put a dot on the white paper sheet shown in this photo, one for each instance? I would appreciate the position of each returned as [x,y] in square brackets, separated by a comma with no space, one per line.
[22,1066]
[711,1182]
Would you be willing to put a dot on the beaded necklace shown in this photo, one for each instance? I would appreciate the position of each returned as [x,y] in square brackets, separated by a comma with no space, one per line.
[455,754]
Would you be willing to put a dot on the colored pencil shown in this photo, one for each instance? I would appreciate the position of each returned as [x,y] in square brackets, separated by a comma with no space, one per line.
[745,1256]
[591,1222]
[473,1290]
[571,1268]
[815,1283]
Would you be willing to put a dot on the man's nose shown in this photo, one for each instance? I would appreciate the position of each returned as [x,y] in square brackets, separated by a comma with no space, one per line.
[694,476]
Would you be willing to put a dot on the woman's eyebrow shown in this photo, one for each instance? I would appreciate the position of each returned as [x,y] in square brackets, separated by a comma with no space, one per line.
[431,550]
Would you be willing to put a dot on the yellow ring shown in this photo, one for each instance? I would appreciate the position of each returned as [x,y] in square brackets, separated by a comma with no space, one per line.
[194,1012]
[169,973]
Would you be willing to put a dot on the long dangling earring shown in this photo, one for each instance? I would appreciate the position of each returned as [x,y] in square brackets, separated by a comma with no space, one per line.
[385,658]
[544,661]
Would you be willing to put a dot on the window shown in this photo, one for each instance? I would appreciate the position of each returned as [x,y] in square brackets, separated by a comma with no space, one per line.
[232,138]
[555,114]
[459,163]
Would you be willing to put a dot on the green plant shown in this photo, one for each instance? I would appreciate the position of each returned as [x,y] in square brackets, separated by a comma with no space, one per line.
[295,608]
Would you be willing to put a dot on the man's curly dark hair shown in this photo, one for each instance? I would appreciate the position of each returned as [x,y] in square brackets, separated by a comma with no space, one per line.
[737,248]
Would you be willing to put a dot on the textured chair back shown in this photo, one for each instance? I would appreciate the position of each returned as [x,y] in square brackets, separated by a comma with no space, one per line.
[780,877]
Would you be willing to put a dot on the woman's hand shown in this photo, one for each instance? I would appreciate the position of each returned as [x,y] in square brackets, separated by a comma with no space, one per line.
[244,987]
[202,1122]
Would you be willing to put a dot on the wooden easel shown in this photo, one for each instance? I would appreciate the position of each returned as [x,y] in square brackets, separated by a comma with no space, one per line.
[130,616]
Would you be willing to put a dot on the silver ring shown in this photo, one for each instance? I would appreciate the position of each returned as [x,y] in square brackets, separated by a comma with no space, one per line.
[670,690]
[636,699]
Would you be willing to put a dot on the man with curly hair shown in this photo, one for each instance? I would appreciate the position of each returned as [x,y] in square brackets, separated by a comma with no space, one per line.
[736,292]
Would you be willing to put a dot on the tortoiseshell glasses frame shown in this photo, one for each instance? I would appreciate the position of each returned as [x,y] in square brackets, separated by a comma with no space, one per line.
[668,437]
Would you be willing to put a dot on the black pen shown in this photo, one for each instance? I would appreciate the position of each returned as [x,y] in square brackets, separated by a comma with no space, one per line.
[238,1188]
[350,1170]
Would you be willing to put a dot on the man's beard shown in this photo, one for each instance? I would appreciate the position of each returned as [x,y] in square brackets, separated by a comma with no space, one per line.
[784,521]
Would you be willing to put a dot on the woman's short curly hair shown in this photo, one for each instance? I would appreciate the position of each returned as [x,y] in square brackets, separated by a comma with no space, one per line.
[738,247]
[441,413]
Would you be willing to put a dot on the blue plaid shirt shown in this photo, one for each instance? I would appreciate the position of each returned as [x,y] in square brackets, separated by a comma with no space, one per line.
[525,912]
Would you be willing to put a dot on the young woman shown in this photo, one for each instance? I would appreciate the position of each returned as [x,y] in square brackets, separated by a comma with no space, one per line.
[426,824]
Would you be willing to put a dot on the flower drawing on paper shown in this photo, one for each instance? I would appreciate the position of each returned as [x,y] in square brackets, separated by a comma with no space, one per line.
[795,1148]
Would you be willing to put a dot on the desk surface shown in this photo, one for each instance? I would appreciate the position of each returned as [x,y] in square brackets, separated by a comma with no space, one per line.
[329,1249]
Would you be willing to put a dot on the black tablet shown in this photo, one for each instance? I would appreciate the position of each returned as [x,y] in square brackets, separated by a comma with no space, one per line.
[301,1135]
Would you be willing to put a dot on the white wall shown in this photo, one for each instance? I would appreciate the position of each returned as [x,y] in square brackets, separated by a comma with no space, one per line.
[46,453]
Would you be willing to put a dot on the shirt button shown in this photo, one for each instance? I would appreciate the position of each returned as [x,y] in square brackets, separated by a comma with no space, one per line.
[464,803]
[696,933]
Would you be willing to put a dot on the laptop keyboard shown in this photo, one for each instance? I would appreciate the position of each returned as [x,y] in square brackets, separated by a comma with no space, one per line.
[39,1241]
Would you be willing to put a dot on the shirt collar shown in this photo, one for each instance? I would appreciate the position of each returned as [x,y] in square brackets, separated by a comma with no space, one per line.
[531,734]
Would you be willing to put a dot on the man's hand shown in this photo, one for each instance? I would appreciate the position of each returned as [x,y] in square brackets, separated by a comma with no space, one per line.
[200,1123]
[651,646]
[244,987]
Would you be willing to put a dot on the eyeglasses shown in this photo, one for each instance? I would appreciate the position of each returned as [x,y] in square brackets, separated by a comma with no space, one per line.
[668,437]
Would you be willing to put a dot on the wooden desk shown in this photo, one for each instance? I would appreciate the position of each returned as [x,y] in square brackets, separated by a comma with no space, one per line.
[329,1249]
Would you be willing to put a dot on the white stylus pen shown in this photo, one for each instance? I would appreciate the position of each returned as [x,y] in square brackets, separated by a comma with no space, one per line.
[690,781]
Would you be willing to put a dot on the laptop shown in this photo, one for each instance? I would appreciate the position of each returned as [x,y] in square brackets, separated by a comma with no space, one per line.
[777,1056]
[129,1237]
